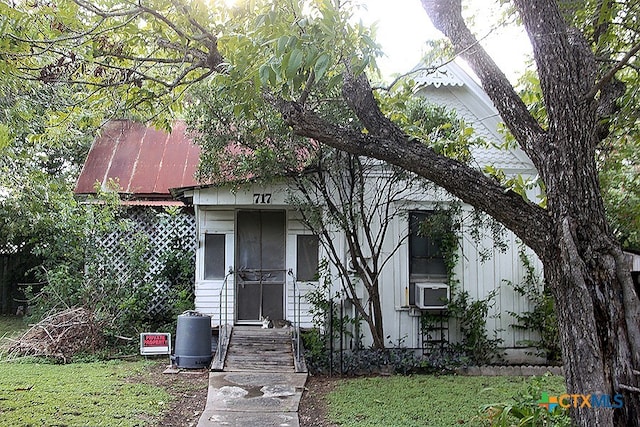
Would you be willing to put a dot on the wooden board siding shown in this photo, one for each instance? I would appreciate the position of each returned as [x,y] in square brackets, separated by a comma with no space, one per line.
[306,321]
[222,221]
[475,276]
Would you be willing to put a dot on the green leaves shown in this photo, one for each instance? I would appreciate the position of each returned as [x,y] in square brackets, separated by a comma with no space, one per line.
[267,75]
[294,48]
[292,62]
[137,61]
[438,127]
[5,137]
[619,160]
[321,65]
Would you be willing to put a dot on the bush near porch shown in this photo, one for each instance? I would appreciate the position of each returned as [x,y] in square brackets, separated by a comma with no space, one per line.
[129,268]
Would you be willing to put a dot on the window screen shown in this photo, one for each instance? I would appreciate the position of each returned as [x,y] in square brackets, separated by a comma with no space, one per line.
[425,256]
[307,257]
[213,256]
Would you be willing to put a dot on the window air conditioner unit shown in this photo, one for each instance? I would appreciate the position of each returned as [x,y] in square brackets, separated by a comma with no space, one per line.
[432,296]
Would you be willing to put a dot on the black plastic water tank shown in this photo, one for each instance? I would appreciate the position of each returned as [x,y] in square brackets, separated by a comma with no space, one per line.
[193,341]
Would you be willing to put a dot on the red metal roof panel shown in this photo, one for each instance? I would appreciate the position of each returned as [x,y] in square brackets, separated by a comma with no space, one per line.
[176,153]
[191,165]
[125,154]
[97,163]
[146,161]
[146,167]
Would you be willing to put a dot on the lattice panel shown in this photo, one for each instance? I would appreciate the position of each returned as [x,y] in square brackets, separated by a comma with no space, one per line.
[159,229]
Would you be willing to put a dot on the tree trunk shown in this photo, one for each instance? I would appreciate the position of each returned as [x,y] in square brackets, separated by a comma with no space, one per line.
[596,304]
[376,332]
[371,313]
[597,354]
[377,328]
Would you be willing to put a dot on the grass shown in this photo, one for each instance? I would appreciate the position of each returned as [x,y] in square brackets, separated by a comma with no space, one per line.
[437,401]
[11,325]
[83,394]
[97,394]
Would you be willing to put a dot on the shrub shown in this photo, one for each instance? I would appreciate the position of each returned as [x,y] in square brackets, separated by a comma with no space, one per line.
[472,317]
[367,361]
[525,410]
[120,287]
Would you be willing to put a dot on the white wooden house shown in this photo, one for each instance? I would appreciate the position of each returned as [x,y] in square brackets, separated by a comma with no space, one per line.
[251,243]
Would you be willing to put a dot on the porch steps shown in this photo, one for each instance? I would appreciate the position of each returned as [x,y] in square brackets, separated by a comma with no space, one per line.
[252,348]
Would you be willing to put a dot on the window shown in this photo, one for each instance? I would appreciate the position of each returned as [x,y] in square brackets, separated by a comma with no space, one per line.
[214,256]
[307,257]
[426,258]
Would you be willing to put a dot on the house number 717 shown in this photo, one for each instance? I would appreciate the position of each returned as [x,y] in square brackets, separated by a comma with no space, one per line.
[262,198]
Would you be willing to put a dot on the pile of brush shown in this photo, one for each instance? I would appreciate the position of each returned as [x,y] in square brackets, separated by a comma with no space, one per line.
[60,336]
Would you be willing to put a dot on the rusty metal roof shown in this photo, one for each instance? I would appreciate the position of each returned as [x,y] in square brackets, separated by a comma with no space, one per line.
[145,161]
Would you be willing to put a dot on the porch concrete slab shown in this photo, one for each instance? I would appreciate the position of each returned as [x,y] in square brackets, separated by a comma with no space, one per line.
[255,391]
[245,419]
[253,398]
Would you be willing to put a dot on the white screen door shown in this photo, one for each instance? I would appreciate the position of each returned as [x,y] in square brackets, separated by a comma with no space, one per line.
[260,265]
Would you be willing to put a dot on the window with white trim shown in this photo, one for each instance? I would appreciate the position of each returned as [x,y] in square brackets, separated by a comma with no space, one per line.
[307,259]
[214,245]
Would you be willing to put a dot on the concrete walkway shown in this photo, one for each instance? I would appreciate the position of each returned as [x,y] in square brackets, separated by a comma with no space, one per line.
[258,385]
[261,399]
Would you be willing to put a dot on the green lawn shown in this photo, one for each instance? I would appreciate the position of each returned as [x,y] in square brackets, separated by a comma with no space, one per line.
[424,400]
[94,394]
[83,394]
[99,394]
[11,325]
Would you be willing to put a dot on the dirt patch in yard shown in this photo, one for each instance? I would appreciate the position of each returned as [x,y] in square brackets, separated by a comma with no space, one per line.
[188,389]
[313,406]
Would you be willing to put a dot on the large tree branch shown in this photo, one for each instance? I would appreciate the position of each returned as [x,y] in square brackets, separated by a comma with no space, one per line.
[526,220]
[566,69]
[446,16]
[610,75]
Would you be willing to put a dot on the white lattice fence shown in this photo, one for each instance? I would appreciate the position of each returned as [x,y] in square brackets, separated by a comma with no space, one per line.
[160,230]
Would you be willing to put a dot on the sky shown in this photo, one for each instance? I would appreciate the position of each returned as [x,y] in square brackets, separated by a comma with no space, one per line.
[403,28]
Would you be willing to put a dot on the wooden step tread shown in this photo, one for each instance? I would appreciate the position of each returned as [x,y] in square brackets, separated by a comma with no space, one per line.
[257,349]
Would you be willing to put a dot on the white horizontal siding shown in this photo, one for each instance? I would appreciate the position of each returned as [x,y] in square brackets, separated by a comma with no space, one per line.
[217,221]
[241,197]
[207,300]
[306,321]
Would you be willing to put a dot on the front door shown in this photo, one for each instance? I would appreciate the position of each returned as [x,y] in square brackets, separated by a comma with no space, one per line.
[260,265]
